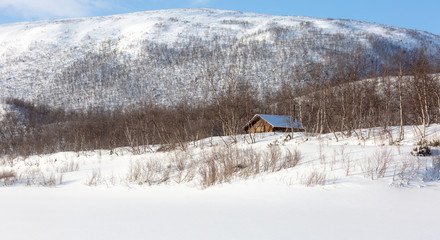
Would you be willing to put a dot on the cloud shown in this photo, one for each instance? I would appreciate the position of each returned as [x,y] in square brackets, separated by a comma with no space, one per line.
[50,8]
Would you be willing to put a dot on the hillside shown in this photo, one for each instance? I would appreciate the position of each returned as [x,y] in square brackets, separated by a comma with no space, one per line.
[170,56]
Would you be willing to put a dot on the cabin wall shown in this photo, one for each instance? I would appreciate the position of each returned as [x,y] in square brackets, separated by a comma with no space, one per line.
[260,126]
[288,130]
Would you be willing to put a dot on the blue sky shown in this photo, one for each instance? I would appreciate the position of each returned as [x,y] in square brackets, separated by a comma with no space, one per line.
[417,14]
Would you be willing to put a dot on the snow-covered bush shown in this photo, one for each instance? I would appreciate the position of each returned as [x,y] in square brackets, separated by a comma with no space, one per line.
[7,177]
[424,150]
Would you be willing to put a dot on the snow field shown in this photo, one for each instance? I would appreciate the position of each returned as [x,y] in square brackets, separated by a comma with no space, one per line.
[301,160]
[111,196]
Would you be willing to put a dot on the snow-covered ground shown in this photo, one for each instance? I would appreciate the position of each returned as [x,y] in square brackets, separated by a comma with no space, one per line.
[255,209]
[345,189]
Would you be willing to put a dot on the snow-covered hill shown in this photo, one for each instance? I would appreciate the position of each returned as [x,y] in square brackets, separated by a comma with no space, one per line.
[170,55]
[169,26]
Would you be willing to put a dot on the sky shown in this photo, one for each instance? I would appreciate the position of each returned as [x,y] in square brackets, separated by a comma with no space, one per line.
[413,14]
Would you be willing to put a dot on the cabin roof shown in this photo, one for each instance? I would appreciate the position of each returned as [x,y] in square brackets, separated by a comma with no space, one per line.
[277,121]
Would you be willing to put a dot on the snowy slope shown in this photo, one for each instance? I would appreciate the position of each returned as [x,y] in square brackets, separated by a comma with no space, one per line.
[49,61]
[349,159]
[167,26]
[350,204]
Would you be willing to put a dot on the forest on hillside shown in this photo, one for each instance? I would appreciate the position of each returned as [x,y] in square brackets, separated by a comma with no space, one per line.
[192,67]
[343,94]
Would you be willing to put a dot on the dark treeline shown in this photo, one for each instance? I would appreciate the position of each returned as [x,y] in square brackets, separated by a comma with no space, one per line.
[28,129]
[333,96]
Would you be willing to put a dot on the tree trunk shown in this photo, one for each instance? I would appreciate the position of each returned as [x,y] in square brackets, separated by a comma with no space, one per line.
[401,133]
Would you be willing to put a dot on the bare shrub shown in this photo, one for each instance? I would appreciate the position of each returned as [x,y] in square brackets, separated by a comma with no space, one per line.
[164,177]
[31,176]
[322,156]
[221,165]
[291,159]
[179,159]
[68,167]
[248,163]
[95,178]
[333,161]
[190,172]
[345,159]
[271,158]
[150,172]
[225,160]
[111,180]
[377,166]
[347,163]
[367,168]
[403,173]
[255,162]
[208,173]
[51,180]
[275,156]
[342,154]
[382,161]
[165,148]
[314,178]
[244,168]
[7,160]
[252,138]
[348,166]
[265,162]
[184,165]
[214,165]
[178,162]
[34,175]
[134,172]
[8,177]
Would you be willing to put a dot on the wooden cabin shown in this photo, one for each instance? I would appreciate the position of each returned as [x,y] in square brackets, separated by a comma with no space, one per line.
[272,123]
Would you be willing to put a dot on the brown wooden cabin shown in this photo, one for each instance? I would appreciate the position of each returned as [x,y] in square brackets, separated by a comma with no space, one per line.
[272,123]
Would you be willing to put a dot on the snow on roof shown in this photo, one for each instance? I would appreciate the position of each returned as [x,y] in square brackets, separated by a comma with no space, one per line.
[280,121]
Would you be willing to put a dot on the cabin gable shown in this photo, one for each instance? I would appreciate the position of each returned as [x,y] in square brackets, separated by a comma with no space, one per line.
[260,126]
[261,123]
